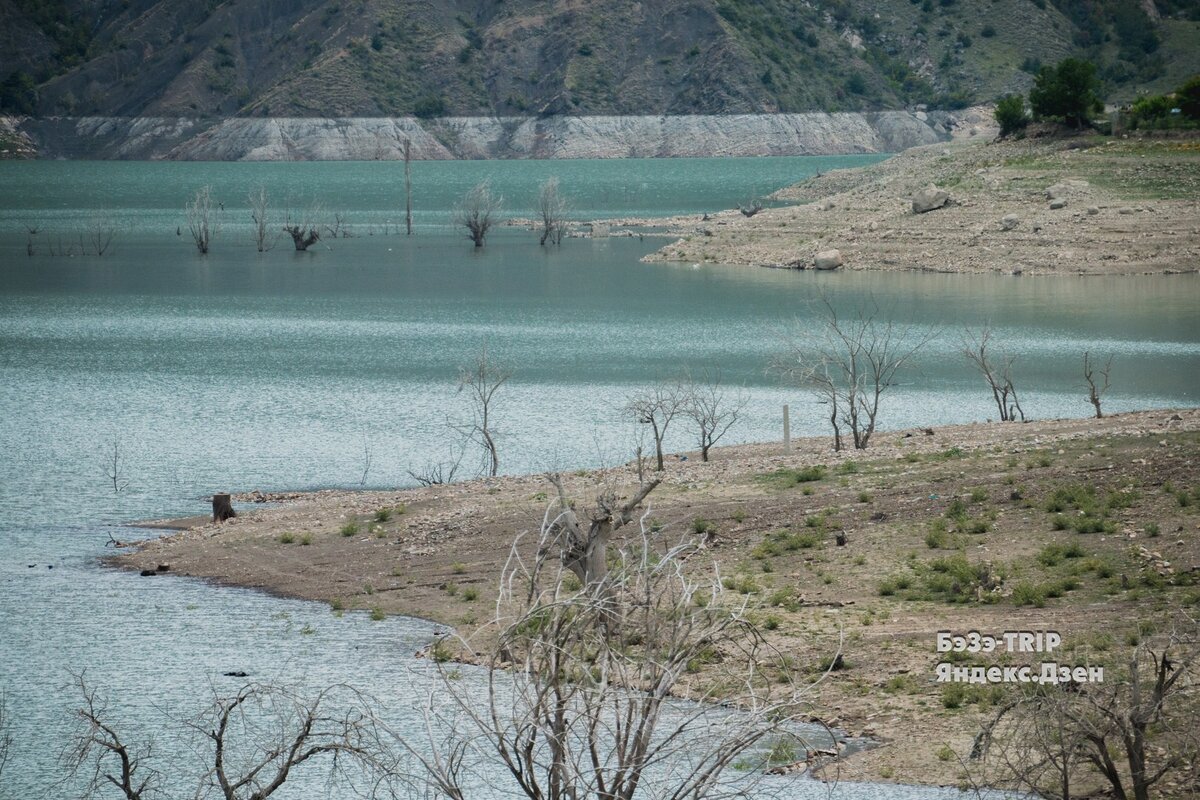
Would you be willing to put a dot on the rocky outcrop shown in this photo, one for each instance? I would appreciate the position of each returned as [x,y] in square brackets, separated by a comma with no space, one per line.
[363,138]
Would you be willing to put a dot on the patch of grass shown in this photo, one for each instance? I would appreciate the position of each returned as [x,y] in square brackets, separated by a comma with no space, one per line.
[784,541]
[1026,594]
[337,604]
[979,495]
[377,614]
[286,538]
[383,515]
[742,584]
[306,539]
[790,478]
[849,468]
[944,753]
[864,497]
[1054,554]
[349,529]
[469,595]
[458,568]
[701,526]
[739,515]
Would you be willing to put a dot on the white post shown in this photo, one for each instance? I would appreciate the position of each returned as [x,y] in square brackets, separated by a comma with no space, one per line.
[787,430]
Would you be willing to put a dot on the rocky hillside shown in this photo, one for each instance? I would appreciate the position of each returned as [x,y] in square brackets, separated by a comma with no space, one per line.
[371,58]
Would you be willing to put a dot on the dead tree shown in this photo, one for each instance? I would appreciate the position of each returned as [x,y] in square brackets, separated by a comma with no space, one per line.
[552,208]
[264,732]
[481,380]
[576,709]
[712,409]
[849,363]
[256,740]
[6,737]
[203,218]
[31,243]
[751,207]
[260,208]
[998,375]
[339,228]
[303,227]
[1096,389]
[102,229]
[585,552]
[478,211]
[114,467]
[408,187]
[98,753]
[657,407]
[222,505]
[1126,734]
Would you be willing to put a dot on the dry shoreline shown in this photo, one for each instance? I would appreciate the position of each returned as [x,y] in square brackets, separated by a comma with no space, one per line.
[1128,207]
[439,558]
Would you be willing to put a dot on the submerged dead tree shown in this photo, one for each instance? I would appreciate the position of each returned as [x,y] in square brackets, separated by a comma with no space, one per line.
[552,208]
[203,218]
[477,212]
[303,227]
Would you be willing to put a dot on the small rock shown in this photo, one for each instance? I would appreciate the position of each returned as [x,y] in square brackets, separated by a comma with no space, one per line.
[1124,210]
[828,259]
[929,198]
[1092,211]
[1057,204]
[1009,222]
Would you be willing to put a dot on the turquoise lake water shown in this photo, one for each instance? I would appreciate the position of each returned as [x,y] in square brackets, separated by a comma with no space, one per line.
[243,370]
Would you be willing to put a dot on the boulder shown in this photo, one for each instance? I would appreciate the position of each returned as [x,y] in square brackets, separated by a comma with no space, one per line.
[929,198]
[1064,188]
[828,259]
[1009,222]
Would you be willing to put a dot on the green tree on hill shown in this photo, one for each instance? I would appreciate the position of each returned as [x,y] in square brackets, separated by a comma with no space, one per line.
[1068,92]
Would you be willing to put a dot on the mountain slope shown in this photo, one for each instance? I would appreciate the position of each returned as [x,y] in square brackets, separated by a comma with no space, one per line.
[214,58]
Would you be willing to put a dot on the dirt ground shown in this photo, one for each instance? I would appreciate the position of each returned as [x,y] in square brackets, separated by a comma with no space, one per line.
[1086,527]
[1129,206]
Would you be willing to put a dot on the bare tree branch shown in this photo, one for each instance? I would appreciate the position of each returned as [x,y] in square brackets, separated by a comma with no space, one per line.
[477,212]
[997,375]
[657,406]
[481,380]
[849,363]
[203,218]
[1096,389]
[711,408]
[552,208]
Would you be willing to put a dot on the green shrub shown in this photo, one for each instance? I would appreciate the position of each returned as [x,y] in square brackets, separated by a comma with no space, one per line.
[383,515]
[286,538]
[350,529]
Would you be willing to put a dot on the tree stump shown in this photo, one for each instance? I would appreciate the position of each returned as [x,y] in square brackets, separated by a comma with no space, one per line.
[222,508]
